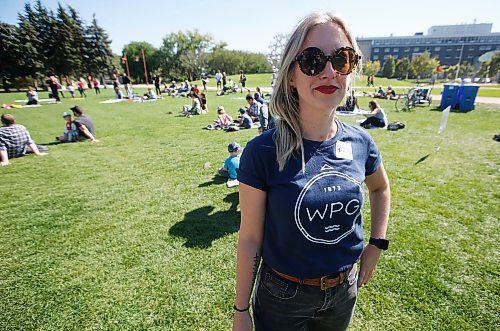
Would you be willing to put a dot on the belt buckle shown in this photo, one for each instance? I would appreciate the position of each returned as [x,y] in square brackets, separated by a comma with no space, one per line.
[322,283]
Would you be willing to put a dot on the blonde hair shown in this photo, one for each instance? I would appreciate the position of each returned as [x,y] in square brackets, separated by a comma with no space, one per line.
[284,103]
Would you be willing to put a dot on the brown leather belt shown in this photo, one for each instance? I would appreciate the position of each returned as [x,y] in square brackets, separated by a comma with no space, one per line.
[323,282]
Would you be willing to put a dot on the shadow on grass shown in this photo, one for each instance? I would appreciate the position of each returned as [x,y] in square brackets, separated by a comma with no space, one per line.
[216,180]
[201,227]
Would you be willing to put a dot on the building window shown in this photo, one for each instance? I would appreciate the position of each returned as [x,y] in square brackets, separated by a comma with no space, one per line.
[395,50]
[387,49]
[471,48]
[447,56]
[407,49]
[375,57]
[437,49]
[415,49]
[395,56]
[375,50]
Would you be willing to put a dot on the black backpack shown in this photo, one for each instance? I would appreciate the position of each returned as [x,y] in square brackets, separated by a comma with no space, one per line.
[394,126]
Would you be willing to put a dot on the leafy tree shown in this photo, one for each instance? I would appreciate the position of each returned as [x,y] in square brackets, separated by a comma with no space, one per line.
[484,69]
[183,54]
[424,65]
[402,68]
[133,51]
[494,65]
[466,70]
[9,53]
[371,67]
[389,67]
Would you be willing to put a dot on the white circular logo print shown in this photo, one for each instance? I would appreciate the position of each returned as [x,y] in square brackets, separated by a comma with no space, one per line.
[328,207]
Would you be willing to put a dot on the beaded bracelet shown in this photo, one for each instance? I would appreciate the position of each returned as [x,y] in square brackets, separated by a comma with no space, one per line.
[241,310]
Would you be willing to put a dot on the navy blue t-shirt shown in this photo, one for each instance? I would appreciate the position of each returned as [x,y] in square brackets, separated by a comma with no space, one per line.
[313,223]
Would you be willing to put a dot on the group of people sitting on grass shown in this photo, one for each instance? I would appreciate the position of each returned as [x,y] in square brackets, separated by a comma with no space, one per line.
[390,94]
[16,141]
[255,115]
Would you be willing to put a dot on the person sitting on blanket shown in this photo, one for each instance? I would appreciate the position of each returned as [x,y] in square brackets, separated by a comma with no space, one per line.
[118,93]
[150,95]
[245,121]
[32,96]
[376,117]
[223,120]
[390,94]
[195,107]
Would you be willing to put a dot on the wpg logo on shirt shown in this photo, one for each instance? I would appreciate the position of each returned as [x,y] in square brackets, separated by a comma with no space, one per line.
[328,207]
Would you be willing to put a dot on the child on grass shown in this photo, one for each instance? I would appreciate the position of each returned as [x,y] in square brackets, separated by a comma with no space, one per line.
[70,130]
[231,164]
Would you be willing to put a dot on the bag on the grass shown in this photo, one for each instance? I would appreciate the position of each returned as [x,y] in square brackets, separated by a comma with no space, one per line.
[394,126]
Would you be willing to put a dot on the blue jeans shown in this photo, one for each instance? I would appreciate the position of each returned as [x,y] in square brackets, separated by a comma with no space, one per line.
[283,305]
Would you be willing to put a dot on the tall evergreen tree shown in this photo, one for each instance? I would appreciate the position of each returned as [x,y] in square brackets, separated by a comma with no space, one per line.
[79,41]
[44,24]
[30,60]
[9,53]
[99,59]
[66,57]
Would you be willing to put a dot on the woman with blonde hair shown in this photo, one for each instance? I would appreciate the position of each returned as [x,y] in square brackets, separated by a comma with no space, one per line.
[302,192]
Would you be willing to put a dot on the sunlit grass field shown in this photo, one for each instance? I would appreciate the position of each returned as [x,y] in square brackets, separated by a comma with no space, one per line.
[134,233]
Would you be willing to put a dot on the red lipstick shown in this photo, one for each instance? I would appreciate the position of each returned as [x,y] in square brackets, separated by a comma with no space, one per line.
[326,89]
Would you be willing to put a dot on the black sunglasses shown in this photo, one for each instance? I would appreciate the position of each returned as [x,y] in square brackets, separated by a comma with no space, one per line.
[312,60]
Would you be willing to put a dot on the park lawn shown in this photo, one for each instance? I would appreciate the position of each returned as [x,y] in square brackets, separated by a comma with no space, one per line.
[133,233]
[400,86]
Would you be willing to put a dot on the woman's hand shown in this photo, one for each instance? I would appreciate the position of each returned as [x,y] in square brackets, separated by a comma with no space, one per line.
[242,321]
[369,259]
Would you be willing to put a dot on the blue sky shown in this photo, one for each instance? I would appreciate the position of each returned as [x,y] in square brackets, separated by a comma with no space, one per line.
[251,25]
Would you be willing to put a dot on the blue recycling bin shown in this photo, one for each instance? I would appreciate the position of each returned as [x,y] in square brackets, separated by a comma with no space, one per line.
[467,97]
[449,96]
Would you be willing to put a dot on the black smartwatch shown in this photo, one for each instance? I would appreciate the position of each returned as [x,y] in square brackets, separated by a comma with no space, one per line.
[382,244]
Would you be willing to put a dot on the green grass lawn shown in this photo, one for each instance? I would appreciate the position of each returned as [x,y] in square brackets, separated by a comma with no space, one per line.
[132,233]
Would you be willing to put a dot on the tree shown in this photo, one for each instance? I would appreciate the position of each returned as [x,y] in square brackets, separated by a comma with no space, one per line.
[402,68]
[79,41]
[466,70]
[484,69]
[99,57]
[133,51]
[44,22]
[9,53]
[424,65]
[67,56]
[29,61]
[183,54]
[389,67]
[494,65]
[371,67]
